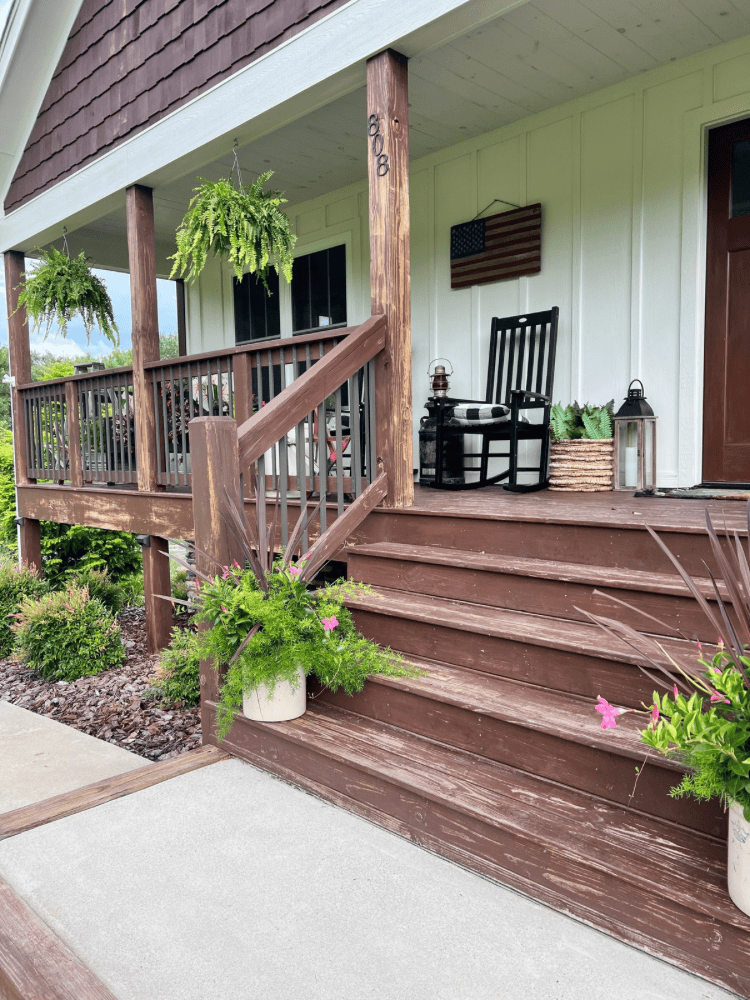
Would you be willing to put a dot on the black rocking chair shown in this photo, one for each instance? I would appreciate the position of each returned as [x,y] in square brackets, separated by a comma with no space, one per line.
[520,377]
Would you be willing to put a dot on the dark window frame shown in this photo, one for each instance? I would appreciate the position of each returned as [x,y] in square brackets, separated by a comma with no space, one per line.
[342,266]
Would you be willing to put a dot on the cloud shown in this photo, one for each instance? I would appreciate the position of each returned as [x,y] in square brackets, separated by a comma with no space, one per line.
[59,346]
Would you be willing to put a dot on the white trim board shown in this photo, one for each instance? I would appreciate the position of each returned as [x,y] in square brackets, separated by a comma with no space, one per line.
[244,106]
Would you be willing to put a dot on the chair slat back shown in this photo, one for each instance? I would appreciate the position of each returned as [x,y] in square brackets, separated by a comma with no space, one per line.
[522,355]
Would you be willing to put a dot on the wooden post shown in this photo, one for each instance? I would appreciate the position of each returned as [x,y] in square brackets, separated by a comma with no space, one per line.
[19,354]
[74,434]
[142,257]
[243,408]
[216,469]
[181,324]
[388,172]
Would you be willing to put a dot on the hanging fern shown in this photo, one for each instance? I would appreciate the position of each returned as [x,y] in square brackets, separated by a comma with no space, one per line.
[63,287]
[243,224]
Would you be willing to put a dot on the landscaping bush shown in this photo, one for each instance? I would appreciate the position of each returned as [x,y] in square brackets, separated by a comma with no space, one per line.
[132,589]
[15,584]
[179,585]
[65,635]
[68,549]
[102,587]
[178,678]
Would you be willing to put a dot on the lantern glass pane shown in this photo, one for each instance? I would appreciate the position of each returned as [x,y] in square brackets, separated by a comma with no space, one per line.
[627,454]
[649,430]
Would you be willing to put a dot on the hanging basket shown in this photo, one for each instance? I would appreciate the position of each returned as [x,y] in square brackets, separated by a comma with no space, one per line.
[582,465]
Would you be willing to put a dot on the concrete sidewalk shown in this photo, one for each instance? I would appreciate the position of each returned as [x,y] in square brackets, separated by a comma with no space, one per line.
[227,883]
[40,758]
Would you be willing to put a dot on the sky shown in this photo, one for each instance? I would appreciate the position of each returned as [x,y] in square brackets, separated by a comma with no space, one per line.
[118,286]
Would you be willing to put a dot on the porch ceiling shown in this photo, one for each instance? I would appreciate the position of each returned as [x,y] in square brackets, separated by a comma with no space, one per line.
[541,54]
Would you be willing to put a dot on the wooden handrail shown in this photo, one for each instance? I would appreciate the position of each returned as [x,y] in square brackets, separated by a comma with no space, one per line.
[128,369]
[264,428]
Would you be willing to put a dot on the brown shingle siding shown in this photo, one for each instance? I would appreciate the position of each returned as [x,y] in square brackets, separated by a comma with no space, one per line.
[129,63]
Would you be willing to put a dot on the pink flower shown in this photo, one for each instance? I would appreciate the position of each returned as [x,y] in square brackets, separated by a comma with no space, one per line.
[295,571]
[236,565]
[720,642]
[333,456]
[654,717]
[329,623]
[225,574]
[223,608]
[714,670]
[676,692]
[719,697]
[608,713]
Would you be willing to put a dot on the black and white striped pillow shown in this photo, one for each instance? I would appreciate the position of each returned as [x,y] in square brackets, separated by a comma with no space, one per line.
[474,416]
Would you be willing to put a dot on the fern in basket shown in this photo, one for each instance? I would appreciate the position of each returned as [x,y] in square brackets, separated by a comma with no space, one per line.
[574,421]
[241,223]
[63,287]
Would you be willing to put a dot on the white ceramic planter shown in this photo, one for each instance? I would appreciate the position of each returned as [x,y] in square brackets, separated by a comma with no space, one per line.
[285,702]
[738,866]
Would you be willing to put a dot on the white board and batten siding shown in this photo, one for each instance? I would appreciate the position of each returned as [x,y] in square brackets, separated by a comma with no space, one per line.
[620,174]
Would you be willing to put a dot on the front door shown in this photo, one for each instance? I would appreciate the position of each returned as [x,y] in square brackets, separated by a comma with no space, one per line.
[726,397]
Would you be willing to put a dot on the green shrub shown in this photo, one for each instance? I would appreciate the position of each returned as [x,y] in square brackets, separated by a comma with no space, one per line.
[102,588]
[179,585]
[67,549]
[178,678]
[65,635]
[15,584]
[132,589]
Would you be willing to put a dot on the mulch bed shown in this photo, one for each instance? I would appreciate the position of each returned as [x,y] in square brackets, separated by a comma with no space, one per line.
[111,705]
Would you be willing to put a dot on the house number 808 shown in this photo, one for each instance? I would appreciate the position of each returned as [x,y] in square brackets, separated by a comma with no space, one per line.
[381,158]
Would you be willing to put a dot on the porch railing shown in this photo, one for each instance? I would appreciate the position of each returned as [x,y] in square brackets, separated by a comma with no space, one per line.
[88,417]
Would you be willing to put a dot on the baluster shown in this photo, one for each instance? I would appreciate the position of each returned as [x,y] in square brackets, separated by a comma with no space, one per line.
[85,439]
[339,452]
[101,454]
[260,504]
[161,428]
[355,444]
[371,419]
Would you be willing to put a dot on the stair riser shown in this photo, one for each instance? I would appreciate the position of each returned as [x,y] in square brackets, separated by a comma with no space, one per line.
[587,768]
[556,598]
[562,670]
[593,545]
[627,911]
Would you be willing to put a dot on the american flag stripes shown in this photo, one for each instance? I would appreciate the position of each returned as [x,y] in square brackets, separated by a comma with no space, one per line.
[508,245]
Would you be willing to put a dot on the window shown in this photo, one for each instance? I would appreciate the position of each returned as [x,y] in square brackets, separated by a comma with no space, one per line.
[319,290]
[256,312]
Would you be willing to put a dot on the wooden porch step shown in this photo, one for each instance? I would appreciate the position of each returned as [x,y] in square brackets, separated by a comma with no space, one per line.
[595,536]
[541,586]
[554,653]
[645,881]
[548,733]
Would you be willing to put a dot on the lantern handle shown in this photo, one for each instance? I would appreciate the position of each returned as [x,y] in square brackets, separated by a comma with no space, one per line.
[639,383]
[439,359]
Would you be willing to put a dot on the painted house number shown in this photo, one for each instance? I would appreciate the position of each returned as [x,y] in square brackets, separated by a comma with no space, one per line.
[381,158]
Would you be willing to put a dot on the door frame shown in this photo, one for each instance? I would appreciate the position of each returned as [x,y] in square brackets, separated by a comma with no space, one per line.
[696,125]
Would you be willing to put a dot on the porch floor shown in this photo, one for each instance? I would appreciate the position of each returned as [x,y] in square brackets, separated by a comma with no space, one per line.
[229,882]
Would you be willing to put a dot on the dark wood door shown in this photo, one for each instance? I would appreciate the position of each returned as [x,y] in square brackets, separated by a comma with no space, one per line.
[726,398]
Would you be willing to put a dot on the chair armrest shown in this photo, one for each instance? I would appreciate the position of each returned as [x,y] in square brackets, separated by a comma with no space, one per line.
[541,400]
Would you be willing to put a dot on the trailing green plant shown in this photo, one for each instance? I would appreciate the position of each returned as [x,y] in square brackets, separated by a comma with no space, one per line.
[267,620]
[574,421]
[178,676]
[101,587]
[243,224]
[15,585]
[702,719]
[65,635]
[62,287]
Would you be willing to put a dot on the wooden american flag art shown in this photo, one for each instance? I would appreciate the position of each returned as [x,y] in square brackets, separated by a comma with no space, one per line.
[508,245]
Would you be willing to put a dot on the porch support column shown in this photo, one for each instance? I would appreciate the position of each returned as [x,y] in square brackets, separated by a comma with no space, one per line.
[142,258]
[388,173]
[19,355]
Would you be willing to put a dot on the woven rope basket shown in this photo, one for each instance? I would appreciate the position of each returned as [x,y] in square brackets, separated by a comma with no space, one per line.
[582,466]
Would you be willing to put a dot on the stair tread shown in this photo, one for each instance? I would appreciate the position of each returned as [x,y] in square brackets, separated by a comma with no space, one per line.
[670,861]
[557,713]
[548,569]
[533,629]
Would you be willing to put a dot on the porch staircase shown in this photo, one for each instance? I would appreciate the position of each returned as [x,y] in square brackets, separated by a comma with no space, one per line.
[494,757]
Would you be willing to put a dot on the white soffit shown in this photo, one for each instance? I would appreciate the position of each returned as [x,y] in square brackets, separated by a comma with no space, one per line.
[311,69]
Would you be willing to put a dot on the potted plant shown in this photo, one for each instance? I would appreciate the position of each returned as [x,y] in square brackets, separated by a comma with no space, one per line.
[241,223]
[270,627]
[702,718]
[581,455]
[62,287]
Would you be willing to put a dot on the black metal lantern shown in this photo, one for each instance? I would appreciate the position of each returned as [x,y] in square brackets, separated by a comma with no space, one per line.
[635,442]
